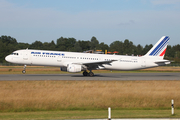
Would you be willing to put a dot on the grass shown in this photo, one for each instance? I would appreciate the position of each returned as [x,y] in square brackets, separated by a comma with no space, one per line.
[21,96]
[89,114]
[86,99]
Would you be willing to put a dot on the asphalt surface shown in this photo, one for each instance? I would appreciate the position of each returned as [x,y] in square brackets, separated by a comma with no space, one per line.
[98,76]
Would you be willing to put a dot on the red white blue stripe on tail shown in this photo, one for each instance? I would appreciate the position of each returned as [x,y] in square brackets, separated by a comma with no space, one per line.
[159,48]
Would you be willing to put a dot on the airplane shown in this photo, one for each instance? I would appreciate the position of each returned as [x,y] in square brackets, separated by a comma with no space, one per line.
[76,62]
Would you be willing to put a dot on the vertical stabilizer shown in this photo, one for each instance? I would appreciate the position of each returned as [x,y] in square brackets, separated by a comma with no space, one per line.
[159,49]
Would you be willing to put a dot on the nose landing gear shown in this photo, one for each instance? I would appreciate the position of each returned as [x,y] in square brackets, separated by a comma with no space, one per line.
[24,71]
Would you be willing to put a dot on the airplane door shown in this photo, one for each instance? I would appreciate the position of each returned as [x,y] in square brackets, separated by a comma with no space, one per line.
[59,58]
[143,65]
[25,55]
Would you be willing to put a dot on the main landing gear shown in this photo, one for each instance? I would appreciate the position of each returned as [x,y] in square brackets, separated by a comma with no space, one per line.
[24,71]
[91,74]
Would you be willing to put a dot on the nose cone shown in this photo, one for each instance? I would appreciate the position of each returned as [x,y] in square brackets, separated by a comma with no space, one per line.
[8,58]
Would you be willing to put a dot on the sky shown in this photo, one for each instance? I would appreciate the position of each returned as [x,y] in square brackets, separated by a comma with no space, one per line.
[141,21]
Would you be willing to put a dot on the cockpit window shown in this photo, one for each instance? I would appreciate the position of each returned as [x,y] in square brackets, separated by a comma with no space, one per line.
[14,54]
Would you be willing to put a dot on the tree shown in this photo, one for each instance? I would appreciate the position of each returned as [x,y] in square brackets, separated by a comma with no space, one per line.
[37,45]
[85,45]
[7,46]
[146,49]
[65,44]
[139,50]
[23,45]
[61,44]
[52,45]
[176,51]
[77,47]
[3,51]
[170,52]
[70,43]
[128,47]
[8,40]
[103,46]
[94,43]
[116,46]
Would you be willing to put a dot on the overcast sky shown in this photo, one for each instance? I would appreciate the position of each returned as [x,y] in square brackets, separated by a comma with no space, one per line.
[141,21]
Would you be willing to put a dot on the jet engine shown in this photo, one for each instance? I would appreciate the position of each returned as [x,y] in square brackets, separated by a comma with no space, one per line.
[74,68]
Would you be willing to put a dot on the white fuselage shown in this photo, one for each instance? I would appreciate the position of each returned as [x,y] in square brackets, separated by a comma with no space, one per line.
[62,59]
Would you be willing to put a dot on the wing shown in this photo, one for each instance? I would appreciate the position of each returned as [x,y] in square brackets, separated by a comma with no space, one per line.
[95,65]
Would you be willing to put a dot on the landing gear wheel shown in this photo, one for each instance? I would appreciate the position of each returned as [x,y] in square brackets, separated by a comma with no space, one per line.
[85,73]
[23,71]
[91,74]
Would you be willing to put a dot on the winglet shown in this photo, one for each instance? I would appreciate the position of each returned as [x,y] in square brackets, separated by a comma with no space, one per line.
[159,49]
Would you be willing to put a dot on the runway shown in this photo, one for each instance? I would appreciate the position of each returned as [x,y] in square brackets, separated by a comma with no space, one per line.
[98,76]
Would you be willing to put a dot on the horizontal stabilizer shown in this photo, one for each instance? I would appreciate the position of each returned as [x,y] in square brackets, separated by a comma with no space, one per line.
[162,62]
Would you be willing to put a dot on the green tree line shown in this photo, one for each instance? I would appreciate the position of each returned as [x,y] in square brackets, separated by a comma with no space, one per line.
[9,44]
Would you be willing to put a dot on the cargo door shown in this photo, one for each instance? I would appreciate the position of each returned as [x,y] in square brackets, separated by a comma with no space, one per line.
[143,65]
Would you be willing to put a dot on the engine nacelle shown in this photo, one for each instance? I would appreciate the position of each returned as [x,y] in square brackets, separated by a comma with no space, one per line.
[74,68]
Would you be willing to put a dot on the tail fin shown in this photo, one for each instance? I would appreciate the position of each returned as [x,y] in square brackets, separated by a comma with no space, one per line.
[159,49]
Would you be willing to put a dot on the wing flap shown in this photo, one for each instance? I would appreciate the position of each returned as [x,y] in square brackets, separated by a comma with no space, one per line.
[96,62]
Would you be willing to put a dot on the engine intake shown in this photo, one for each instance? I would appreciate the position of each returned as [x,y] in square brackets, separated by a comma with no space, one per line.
[74,68]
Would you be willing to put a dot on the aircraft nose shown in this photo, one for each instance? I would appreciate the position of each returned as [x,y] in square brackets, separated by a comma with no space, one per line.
[8,58]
